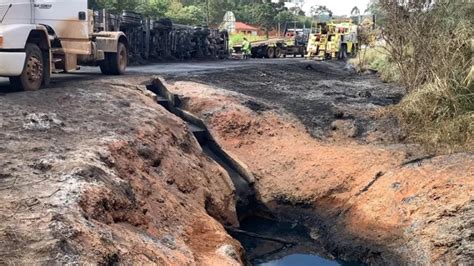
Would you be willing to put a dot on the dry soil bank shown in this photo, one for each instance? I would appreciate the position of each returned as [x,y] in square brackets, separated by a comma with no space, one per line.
[98,173]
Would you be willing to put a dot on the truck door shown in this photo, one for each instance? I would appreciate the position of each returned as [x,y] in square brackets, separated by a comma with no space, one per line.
[68,19]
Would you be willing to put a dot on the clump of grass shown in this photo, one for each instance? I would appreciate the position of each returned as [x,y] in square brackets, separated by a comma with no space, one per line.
[376,59]
[366,58]
[439,115]
[388,70]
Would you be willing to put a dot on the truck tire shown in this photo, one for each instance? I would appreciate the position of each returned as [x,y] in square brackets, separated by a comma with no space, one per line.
[33,71]
[302,52]
[270,52]
[104,66]
[278,52]
[115,63]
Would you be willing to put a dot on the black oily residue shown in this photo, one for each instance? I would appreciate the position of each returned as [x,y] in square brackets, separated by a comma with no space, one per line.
[314,92]
[269,240]
[256,106]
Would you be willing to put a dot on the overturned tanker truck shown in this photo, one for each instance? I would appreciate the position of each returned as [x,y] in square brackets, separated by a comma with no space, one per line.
[41,37]
[160,39]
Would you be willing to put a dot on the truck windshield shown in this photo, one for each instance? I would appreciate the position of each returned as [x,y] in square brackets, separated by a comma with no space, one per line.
[4,8]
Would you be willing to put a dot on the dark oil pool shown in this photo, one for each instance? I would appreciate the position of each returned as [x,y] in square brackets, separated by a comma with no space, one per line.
[271,243]
[301,260]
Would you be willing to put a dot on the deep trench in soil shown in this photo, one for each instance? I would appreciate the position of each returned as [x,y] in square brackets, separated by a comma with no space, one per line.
[266,239]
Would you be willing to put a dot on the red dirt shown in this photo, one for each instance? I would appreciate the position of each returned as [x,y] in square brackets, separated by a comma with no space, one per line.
[367,199]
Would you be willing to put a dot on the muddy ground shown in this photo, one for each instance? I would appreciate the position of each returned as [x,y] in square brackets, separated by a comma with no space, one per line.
[93,171]
[323,96]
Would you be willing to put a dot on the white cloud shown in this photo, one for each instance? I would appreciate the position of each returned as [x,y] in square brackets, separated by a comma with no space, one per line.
[338,7]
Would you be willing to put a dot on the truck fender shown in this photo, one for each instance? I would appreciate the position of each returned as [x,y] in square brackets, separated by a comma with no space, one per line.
[107,41]
[15,36]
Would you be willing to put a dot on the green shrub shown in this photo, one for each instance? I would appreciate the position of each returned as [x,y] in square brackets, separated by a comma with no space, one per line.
[238,38]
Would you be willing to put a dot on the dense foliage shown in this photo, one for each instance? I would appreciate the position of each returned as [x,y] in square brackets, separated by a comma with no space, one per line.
[265,13]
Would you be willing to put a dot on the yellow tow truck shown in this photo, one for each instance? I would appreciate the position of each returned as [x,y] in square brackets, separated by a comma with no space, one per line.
[333,40]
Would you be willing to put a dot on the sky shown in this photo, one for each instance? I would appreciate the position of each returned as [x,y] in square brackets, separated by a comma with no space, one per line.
[338,7]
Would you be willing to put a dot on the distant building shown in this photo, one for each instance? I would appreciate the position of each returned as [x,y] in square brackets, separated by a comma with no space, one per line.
[243,28]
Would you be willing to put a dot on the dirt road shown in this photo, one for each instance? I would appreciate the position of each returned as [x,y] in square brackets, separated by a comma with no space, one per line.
[322,95]
[173,68]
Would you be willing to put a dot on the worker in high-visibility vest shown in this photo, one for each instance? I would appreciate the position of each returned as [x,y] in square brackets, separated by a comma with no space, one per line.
[246,48]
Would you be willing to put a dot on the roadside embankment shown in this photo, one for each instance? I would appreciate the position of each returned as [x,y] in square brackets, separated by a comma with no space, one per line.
[99,173]
[379,203]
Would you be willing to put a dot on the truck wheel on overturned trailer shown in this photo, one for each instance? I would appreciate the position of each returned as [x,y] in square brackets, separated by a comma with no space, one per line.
[34,70]
[115,63]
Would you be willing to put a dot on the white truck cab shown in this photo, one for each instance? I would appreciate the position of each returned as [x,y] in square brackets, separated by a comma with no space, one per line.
[39,37]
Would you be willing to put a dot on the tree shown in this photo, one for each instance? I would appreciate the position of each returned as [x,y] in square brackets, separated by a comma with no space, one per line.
[355,12]
[285,16]
[154,8]
[216,9]
[117,5]
[192,14]
[247,13]
[297,11]
[375,8]
[319,11]
[267,14]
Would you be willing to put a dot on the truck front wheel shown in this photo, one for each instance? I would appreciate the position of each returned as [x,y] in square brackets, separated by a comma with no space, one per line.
[33,71]
[115,63]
